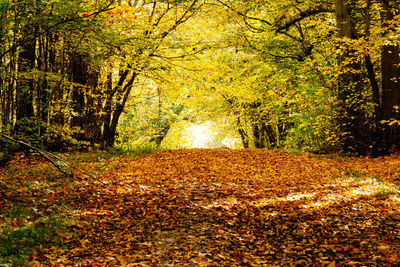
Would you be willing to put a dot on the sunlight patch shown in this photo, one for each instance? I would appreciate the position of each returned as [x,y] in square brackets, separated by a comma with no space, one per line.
[353,188]
[226,203]
[368,186]
[292,197]
[208,134]
[356,187]
[201,135]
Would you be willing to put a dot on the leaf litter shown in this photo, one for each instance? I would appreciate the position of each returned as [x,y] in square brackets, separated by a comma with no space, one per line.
[223,207]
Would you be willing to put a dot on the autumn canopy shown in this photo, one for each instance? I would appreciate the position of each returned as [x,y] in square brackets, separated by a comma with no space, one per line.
[320,76]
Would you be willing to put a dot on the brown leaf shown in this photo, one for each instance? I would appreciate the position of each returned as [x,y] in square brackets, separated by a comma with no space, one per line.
[123,260]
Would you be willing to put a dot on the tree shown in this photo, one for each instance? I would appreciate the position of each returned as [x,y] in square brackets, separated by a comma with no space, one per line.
[276,96]
[68,67]
[366,50]
[390,61]
[351,118]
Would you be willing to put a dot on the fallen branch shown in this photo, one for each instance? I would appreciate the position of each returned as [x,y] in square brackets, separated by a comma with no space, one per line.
[45,154]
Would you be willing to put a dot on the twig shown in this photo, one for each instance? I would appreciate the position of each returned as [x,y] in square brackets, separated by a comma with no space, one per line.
[45,153]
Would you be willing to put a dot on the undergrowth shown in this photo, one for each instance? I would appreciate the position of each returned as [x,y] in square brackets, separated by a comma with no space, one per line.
[19,242]
[32,218]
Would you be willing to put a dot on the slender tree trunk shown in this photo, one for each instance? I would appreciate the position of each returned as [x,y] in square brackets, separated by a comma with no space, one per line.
[243,135]
[57,117]
[257,136]
[25,86]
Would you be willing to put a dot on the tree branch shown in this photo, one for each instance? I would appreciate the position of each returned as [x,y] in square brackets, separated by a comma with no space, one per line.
[181,56]
[244,15]
[302,15]
[251,27]
[63,21]
[45,154]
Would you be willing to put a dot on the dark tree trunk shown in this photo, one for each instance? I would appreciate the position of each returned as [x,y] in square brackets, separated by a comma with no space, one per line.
[25,87]
[257,134]
[92,125]
[376,131]
[391,95]
[57,118]
[107,111]
[122,98]
[264,135]
[79,74]
[390,64]
[270,135]
[109,132]
[243,135]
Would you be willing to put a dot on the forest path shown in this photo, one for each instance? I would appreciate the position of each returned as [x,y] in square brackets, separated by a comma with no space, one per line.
[233,207]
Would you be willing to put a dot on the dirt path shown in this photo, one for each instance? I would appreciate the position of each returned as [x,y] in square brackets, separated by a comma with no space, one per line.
[233,208]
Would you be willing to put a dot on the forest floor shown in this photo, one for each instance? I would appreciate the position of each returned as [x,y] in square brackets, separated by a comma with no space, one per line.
[202,207]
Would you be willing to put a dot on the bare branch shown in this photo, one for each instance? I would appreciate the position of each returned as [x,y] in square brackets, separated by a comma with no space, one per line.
[245,16]
[46,155]
[302,15]
[183,55]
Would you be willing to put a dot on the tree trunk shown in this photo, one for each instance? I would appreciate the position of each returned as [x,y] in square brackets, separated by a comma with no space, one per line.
[351,117]
[391,95]
[257,134]
[243,135]
[79,70]
[25,87]
[108,135]
[119,108]
[390,63]
[270,135]
[92,125]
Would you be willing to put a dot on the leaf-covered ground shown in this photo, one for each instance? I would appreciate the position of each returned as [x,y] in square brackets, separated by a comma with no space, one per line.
[217,207]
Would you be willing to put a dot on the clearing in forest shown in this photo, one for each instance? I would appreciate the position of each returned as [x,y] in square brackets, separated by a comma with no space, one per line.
[203,207]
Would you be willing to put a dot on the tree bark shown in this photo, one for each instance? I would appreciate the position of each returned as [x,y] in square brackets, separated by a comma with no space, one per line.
[119,108]
[243,135]
[351,118]
[391,95]
[390,64]
[257,134]
[79,70]
[25,86]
